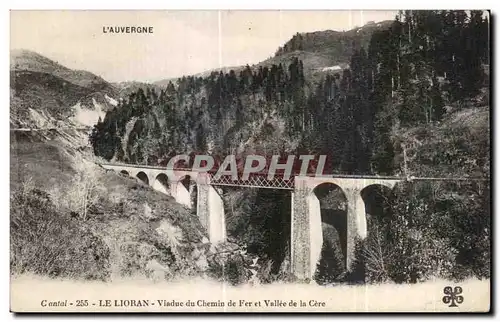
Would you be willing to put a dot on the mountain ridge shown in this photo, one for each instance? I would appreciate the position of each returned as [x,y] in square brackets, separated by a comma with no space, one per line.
[45,93]
[319,54]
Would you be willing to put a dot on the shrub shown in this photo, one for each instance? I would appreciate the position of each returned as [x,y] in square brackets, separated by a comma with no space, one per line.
[437,229]
[46,242]
[440,230]
[84,193]
[419,256]
[330,268]
[229,267]
[375,255]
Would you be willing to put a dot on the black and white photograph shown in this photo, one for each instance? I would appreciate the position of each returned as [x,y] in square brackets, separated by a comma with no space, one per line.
[250,161]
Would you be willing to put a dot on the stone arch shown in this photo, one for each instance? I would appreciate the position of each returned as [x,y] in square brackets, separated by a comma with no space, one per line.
[376,198]
[384,183]
[143,177]
[326,182]
[162,183]
[329,259]
[124,172]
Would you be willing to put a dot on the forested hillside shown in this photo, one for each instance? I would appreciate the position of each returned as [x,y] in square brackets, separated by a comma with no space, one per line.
[407,76]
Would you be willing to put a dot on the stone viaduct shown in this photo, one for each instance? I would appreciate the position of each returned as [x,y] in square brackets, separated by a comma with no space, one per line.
[306,228]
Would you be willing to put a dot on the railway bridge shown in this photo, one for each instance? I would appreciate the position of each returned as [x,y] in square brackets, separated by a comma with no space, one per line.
[306,229]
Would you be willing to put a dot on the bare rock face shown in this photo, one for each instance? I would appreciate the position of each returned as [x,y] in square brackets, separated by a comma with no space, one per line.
[200,259]
[45,94]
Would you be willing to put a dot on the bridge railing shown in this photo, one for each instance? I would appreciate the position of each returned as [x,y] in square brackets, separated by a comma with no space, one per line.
[254,181]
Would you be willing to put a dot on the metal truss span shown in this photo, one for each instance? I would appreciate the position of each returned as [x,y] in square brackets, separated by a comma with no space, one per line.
[254,182]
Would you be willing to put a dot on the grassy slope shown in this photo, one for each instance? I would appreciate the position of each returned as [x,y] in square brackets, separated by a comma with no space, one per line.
[328,47]
[46,163]
[458,146]
[145,230]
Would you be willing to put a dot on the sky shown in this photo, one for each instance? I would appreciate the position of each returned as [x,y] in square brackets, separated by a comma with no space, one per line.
[183,42]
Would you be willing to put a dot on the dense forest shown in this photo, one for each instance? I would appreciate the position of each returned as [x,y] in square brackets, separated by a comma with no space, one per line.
[408,74]
[404,87]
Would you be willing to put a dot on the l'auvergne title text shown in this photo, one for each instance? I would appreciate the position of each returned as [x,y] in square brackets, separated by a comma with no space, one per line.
[127,30]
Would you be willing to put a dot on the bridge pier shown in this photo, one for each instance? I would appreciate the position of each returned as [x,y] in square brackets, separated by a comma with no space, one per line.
[307,233]
[300,250]
[180,193]
[356,223]
[306,226]
[210,211]
[316,231]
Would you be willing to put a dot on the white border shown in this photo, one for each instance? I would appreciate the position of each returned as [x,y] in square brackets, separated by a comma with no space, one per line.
[195,4]
[253,4]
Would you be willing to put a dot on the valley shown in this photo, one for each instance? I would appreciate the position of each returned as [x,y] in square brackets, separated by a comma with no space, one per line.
[403,98]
